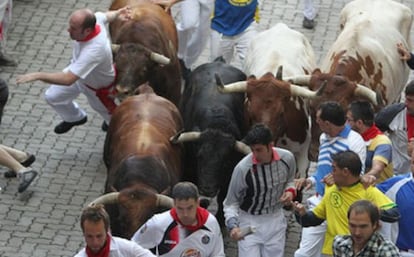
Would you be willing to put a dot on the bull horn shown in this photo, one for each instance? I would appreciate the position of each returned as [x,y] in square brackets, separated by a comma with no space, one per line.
[115,47]
[159,58]
[236,87]
[109,198]
[361,90]
[296,90]
[301,79]
[185,137]
[242,147]
[164,201]
[279,73]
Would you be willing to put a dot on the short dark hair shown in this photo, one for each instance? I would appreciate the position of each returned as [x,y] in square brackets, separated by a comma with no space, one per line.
[332,112]
[350,160]
[365,206]
[258,134]
[95,214]
[90,20]
[409,89]
[184,191]
[362,110]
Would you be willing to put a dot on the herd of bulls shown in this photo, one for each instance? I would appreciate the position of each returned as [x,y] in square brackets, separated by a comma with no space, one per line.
[153,142]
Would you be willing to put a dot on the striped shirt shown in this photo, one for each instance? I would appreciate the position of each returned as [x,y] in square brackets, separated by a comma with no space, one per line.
[347,139]
[256,188]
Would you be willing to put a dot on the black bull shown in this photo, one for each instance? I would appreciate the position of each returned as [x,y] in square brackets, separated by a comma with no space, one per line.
[215,122]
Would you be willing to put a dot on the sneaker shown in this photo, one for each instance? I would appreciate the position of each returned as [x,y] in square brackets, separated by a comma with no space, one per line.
[25,163]
[104,126]
[308,24]
[64,126]
[26,178]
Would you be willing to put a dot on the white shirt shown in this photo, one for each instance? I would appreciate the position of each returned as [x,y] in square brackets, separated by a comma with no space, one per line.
[121,247]
[92,59]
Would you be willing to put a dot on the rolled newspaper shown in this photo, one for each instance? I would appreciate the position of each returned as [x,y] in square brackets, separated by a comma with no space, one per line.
[245,231]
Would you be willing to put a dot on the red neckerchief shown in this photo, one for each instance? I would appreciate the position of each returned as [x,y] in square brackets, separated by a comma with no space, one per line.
[104,252]
[202,215]
[370,133]
[410,126]
[93,34]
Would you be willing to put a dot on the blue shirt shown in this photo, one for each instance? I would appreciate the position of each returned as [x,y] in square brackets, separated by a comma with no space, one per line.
[232,17]
[347,139]
[400,189]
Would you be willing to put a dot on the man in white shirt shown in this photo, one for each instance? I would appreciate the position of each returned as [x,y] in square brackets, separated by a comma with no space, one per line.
[90,71]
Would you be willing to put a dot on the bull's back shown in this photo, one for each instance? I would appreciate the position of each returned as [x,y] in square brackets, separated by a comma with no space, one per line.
[280,45]
[142,125]
[386,12]
[366,53]
[148,19]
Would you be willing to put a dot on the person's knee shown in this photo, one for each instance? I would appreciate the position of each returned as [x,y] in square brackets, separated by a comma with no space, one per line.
[190,23]
[50,97]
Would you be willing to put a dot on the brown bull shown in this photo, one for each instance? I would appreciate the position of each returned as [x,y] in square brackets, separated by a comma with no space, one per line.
[280,105]
[146,50]
[140,159]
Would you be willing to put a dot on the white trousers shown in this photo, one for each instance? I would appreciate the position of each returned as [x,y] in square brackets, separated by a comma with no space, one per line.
[309,11]
[193,29]
[269,238]
[61,98]
[227,47]
[407,254]
[312,239]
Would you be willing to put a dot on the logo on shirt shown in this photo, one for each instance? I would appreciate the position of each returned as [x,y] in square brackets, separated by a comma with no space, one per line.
[205,239]
[191,252]
[336,200]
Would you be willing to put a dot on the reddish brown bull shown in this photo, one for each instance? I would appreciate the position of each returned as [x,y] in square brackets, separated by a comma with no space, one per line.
[140,160]
[139,43]
[279,105]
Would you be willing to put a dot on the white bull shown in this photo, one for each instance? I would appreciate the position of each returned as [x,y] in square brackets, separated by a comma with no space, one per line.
[365,50]
[286,115]
[365,53]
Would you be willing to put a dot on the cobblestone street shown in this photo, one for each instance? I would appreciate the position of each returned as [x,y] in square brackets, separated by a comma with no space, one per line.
[44,221]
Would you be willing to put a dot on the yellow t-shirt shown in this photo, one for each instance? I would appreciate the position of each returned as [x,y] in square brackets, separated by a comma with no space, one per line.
[334,208]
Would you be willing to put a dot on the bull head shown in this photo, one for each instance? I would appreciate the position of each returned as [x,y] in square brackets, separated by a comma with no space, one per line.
[194,136]
[241,86]
[156,57]
[163,201]
[360,90]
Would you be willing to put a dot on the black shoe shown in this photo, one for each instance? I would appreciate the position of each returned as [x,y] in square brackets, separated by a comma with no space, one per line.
[104,126]
[26,178]
[308,24]
[185,72]
[25,163]
[64,126]
[6,61]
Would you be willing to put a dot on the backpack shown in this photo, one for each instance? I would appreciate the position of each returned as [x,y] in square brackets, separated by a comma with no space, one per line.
[384,117]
